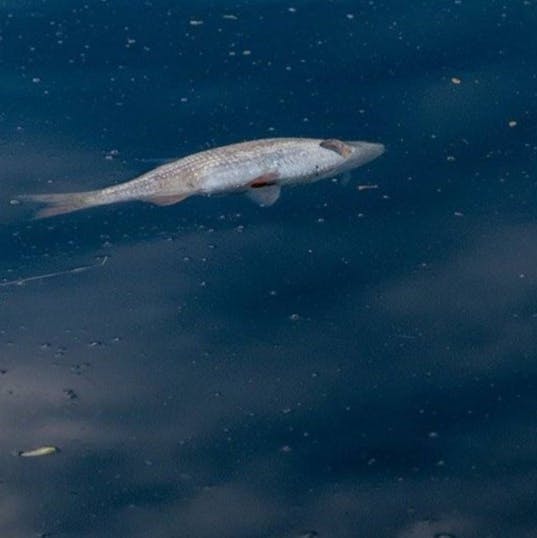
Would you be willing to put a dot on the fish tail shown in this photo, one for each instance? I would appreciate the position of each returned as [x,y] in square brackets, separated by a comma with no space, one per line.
[60,204]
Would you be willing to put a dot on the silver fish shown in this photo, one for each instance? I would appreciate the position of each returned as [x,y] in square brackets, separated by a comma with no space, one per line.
[258,167]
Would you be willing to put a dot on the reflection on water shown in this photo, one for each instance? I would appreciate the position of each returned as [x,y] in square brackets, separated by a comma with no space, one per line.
[348,362]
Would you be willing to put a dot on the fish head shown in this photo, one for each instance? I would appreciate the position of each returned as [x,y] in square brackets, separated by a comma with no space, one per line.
[342,156]
[359,153]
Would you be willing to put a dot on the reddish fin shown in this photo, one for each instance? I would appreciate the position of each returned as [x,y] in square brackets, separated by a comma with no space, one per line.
[338,146]
[166,200]
[265,180]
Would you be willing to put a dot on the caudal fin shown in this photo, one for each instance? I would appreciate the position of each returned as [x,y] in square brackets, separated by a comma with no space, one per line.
[58,204]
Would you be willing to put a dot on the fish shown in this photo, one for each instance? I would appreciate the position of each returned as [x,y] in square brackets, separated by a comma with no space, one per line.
[257,167]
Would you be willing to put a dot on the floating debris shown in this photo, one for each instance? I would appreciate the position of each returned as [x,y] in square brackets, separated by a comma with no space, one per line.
[367,187]
[79,369]
[38,452]
[70,394]
[81,269]
[512,123]
[112,154]
[455,80]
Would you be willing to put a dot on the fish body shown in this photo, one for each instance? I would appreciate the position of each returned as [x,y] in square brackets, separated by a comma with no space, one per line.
[258,167]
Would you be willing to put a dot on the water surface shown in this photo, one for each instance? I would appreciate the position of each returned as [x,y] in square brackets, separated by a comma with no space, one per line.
[345,363]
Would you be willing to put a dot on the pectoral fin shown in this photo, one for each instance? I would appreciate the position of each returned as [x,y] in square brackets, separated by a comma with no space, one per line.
[265,195]
[166,200]
[337,145]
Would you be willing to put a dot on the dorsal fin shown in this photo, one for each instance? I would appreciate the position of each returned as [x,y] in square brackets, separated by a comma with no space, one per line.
[337,145]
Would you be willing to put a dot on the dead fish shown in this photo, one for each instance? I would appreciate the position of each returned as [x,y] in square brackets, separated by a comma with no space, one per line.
[37,452]
[258,167]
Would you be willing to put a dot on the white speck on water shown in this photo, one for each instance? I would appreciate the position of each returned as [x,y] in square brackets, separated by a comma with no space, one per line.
[111,154]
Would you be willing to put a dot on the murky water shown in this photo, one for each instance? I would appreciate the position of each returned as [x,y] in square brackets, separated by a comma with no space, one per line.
[349,362]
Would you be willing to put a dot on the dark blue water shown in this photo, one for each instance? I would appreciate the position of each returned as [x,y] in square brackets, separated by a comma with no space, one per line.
[345,363]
